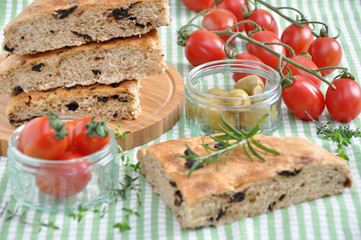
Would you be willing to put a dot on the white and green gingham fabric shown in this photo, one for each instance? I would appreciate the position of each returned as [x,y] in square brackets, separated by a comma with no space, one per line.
[329,218]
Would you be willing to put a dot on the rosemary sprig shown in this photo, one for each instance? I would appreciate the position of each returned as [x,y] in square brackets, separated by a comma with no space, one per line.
[228,140]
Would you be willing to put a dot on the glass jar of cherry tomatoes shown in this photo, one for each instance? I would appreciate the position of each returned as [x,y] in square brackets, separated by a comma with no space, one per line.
[63,185]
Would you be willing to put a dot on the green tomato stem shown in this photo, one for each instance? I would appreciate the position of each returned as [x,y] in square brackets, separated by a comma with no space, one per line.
[303,18]
[286,59]
[57,125]
[276,10]
[282,44]
[333,67]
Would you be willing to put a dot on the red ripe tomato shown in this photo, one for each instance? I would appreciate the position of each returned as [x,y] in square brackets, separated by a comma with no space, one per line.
[265,56]
[64,180]
[262,18]
[219,19]
[344,102]
[198,5]
[249,57]
[38,140]
[69,126]
[203,46]
[85,144]
[325,52]
[235,6]
[304,61]
[299,39]
[303,95]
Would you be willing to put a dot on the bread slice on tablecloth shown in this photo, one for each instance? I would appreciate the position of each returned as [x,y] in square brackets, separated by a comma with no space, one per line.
[241,188]
[53,24]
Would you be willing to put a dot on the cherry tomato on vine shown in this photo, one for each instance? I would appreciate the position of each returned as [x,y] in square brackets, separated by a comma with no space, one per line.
[84,141]
[303,95]
[306,62]
[325,52]
[38,140]
[265,56]
[249,57]
[203,46]
[198,5]
[235,6]
[262,18]
[219,19]
[344,102]
[64,180]
[299,39]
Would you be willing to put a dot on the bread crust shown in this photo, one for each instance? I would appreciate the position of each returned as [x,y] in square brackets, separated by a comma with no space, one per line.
[109,102]
[53,24]
[241,187]
[110,62]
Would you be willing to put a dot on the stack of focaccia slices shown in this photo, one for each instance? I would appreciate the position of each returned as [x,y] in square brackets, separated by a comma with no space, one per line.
[81,57]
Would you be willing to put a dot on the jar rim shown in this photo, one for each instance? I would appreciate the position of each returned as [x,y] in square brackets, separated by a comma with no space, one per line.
[212,67]
[35,162]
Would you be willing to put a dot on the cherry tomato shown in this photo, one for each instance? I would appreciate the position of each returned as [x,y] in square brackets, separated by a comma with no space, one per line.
[38,140]
[304,61]
[64,180]
[203,46]
[69,126]
[262,18]
[344,102]
[85,144]
[299,39]
[219,19]
[265,56]
[198,5]
[325,52]
[235,6]
[249,57]
[303,95]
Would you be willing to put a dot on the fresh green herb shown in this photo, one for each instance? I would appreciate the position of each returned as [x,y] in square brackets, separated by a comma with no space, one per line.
[229,139]
[128,183]
[341,135]
[81,211]
[9,214]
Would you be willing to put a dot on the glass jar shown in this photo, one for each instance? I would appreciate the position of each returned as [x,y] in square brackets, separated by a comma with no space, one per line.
[84,181]
[202,110]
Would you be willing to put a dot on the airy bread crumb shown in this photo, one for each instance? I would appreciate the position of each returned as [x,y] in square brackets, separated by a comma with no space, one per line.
[215,195]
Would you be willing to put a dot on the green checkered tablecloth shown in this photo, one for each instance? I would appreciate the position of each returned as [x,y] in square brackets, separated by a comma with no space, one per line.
[337,217]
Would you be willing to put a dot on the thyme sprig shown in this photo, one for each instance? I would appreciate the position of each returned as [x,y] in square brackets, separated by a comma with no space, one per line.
[11,214]
[227,141]
[341,135]
[128,183]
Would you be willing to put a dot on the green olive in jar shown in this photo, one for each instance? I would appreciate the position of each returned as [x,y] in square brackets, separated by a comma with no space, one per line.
[214,119]
[248,119]
[189,110]
[202,115]
[216,91]
[239,98]
[252,84]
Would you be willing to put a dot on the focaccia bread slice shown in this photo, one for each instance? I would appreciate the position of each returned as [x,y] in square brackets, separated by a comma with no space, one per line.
[106,63]
[241,188]
[108,102]
[53,24]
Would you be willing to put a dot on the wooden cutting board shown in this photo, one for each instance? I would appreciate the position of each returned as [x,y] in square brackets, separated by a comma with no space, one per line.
[162,103]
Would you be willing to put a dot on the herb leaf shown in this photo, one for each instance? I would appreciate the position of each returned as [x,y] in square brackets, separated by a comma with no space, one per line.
[229,139]
[341,135]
